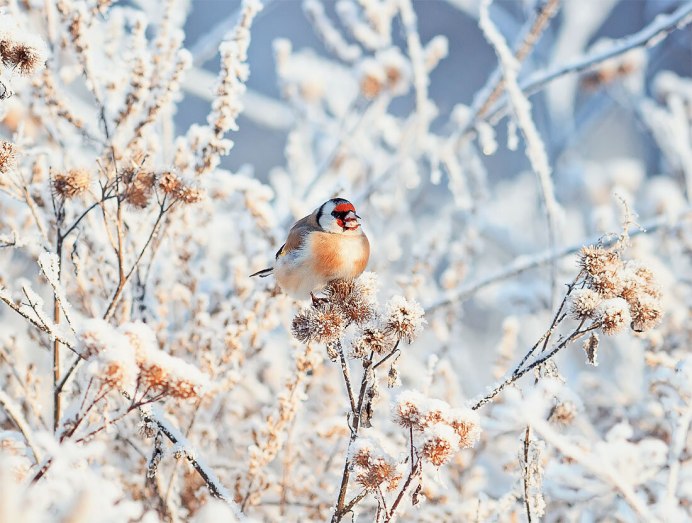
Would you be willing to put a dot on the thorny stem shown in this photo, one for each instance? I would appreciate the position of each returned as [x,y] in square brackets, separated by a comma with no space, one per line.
[527,441]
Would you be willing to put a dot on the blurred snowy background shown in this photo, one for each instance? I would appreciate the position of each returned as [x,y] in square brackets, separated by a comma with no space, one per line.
[129,226]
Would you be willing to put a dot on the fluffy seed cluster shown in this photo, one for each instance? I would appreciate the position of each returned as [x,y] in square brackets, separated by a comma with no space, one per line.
[160,372]
[139,187]
[354,298]
[174,186]
[404,318]
[372,339]
[323,324]
[72,183]
[8,156]
[373,466]
[583,303]
[21,51]
[616,293]
[443,430]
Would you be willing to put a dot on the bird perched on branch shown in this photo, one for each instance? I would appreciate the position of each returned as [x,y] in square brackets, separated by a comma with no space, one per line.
[327,245]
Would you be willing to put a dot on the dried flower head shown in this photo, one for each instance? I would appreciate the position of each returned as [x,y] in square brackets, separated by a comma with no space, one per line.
[324,324]
[613,315]
[21,51]
[466,424]
[8,156]
[72,183]
[189,195]
[583,303]
[372,78]
[441,442]
[372,339]
[169,182]
[596,260]
[646,312]
[139,189]
[352,298]
[373,466]
[404,318]
[563,413]
[591,349]
[409,409]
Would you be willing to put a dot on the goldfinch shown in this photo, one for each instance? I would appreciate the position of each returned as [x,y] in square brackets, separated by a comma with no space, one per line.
[327,245]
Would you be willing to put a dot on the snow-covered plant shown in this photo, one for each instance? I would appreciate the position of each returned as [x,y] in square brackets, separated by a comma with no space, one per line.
[506,357]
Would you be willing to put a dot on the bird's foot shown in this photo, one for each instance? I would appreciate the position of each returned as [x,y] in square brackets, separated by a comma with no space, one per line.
[317,302]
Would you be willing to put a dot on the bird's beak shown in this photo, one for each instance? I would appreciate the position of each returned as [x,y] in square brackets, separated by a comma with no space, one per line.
[351,220]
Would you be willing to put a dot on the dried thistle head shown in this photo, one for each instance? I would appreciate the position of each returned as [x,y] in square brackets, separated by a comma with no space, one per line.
[613,315]
[189,195]
[583,303]
[139,189]
[596,260]
[563,413]
[372,339]
[409,410]
[374,468]
[324,324]
[466,425]
[72,183]
[404,318]
[8,156]
[169,182]
[646,312]
[440,444]
[352,298]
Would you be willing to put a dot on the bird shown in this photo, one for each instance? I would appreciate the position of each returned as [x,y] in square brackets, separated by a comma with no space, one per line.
[328,244]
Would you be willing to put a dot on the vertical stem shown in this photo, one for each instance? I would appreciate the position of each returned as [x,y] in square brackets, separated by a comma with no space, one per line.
[527,441]
[56,344]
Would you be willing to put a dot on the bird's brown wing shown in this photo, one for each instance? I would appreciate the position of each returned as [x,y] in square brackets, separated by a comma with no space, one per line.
[297,234]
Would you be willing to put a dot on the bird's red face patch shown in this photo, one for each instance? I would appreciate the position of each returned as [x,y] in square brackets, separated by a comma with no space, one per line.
[344,207]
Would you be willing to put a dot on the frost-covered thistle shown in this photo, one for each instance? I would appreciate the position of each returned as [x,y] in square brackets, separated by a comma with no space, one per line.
[613,315]
[583,303]
[8,156]
[440,443]
[404,318]
[72,183]
[374,467]
[323,324]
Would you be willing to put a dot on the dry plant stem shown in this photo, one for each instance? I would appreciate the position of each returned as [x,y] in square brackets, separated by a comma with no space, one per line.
[413,474]
[540,22]
[347,379]
[652,34]
[368,372]
[526,263]
[14,413]
[527,441]
[519,372]
[598,467]
[121,285]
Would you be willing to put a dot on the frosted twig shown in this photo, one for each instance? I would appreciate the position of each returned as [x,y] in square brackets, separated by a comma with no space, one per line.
[524,263]
[597,465]
[176,437]
[651,35]
[495,86]
[15,414]
[535,148]
[415,52]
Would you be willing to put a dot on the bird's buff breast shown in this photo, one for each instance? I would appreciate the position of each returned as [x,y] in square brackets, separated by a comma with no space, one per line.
[323,257]
[339,255]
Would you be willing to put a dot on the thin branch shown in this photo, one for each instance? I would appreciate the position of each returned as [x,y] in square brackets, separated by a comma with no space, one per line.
[15,414]
[522,264]
[527,444]
[652,34]
[519,372]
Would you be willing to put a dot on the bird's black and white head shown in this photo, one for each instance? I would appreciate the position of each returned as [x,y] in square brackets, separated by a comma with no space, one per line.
[338,216]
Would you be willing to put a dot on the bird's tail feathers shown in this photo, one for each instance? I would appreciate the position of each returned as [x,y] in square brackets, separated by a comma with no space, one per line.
[263,273]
